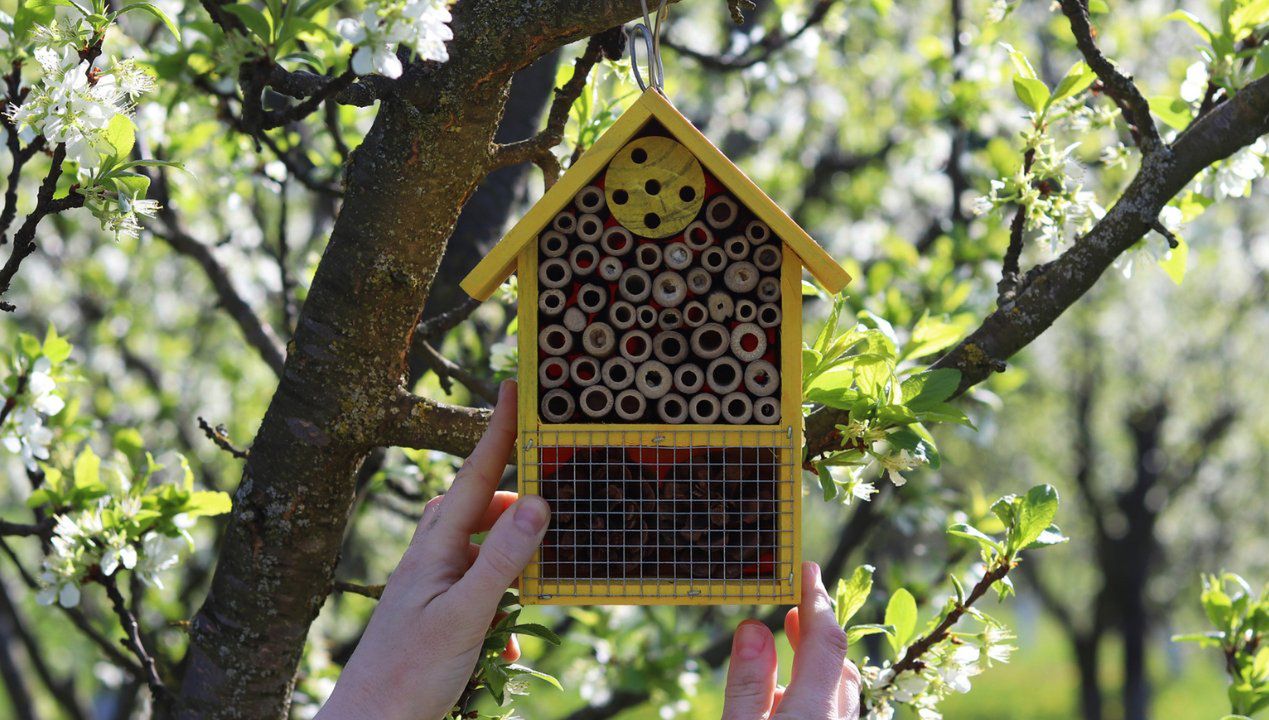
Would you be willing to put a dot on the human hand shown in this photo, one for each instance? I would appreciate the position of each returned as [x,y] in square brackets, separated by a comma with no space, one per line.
[825,685]
[425,636]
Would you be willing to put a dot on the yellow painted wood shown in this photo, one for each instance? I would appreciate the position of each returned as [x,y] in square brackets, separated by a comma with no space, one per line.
[668,436]
[661,592]
[791,399]
[490,272]
[825,269]
[654,187]
[485,278]
[527,372]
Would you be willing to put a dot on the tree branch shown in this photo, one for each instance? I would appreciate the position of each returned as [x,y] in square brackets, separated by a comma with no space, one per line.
[1118,86]
[757,52]
[419,423]
[43,529]
[220,437]
[132,638]
[446,370]
[45,205]
[371,591]
[1056,286]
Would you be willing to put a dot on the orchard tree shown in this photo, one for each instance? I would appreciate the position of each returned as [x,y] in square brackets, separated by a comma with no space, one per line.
[330,169]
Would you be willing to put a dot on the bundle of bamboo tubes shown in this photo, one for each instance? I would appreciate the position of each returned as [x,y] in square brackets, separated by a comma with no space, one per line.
[681,329]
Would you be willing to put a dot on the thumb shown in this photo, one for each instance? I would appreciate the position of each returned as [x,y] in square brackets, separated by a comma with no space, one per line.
[504,553]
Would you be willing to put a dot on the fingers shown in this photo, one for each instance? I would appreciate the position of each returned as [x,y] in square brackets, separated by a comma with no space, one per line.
[502,500]
[793,628]
[475,483]
[817,686]
[506,550]
[751,676]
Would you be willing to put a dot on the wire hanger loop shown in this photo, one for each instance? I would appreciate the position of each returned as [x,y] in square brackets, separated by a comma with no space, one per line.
[648,32]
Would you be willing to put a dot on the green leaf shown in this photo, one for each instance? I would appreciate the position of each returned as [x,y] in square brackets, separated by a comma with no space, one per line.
[853,593]
[1173,111]
[522,670]
[536,630]
[970,532]
[306,58]
[931,335]
[157,13]
[1020,62]
[207,503]
[253,19]
[1195,24]
[87,473]
[901,613]
[1052,535]
[1032,92]
[132,185]
[827,483]
[1174,263]
[928,389]
[1076,81]
[1039,507]
[56,348]
[855,632]
[121,134]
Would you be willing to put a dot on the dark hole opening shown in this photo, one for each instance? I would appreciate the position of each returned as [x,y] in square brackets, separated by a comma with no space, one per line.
[559,404]
[617,373]
[652,187]
[687,194]
[720,211]
[689,378]
[769,315]
[634,345]
[630,404]
[647,314]
[585,259]
[736,407]
[554,371]
[711,340]
[590,226]
[654,378]
[695,314]
[639,155]
[748,342]
[652,220]
[552,300]
[623,313]
[761,379]
[620,197]
[595,401]
[673,408]
[555,272]
[592,298]
[724,374]
[585,371]
[556,339]
[635,284]
[671,345]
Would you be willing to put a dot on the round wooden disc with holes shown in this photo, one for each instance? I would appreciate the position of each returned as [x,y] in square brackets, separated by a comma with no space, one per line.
[655,187]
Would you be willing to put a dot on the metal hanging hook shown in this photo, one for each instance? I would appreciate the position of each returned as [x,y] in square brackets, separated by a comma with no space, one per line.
[649,33]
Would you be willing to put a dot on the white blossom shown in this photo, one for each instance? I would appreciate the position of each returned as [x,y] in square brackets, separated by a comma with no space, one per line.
[422,26]
[1195,85]
[1234,176]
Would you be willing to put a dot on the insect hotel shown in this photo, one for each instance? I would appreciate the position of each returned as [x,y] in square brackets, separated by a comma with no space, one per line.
[660,372]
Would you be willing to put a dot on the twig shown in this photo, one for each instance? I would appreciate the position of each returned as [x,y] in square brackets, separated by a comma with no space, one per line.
[447,369]
[132,637]
[415,422]
[435,327]
[220,436]
[1011,267]
[370,591]
[1117,85]
[771,43]
[301,110]
[45,204]
[43,529]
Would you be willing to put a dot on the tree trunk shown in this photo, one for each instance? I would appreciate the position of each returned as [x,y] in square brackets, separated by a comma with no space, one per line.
[341,386]
[1086,659]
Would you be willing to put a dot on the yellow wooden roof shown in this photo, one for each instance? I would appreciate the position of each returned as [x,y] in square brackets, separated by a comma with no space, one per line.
[498,265]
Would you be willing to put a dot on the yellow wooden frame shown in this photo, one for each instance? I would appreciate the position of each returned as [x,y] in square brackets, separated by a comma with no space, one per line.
[518,252]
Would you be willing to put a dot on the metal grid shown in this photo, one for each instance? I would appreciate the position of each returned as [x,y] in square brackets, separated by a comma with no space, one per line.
[683,516]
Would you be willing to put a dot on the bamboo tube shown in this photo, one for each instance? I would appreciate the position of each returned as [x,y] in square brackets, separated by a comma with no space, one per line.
[746,310]
[589,227]
[761,378]
[704,409]
[555,273]
[617,373]
[713,259]
[646,315]
[616,241]
[595,401]
[677,256]
[557,406]
[737,408]
[610,268]
[574,319]
[698,236]
[748,342]
[766,410]
[653,379]
[622,315]
[635,285]
[584,259]
[565,222]
[695,314]
[592,298]
[635,346]
[767,258]
[648,256]
[551,302]
[553,372]
[723,375]
[736,247]
[769,315]
[688,378]
[584,370]
[670,319]
[721,212]
[721,306]
[757,232]
[669,289]
[552,243]
[631,405]
[555,340]
[598,340]
[769,289]
[672,409]
[741,277]
[589,199]
[669,347]
[699,281]
[710,340]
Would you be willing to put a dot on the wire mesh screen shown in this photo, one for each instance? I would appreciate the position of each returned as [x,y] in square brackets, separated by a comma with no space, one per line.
[664,516]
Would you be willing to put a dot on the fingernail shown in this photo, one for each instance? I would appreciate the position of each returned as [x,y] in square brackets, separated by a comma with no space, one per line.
[811,571]
[506,387]
[751,641]
[531,514]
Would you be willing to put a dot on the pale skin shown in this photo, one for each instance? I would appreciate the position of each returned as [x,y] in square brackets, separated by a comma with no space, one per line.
[426,633]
